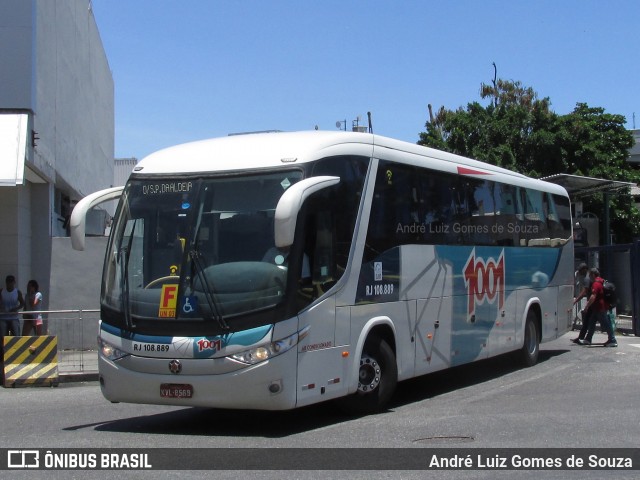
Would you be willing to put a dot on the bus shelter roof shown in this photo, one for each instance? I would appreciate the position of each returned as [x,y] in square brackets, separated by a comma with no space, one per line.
[577,186]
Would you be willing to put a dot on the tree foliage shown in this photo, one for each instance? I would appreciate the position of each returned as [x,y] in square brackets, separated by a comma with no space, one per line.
[517,130]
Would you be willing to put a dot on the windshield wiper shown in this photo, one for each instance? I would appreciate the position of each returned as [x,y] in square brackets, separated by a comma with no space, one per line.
[195,257]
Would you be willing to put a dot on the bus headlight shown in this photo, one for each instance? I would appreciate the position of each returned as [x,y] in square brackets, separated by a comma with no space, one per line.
[273,349]
[109,351]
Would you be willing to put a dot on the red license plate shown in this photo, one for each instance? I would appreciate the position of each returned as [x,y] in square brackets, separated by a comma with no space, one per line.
[176,390]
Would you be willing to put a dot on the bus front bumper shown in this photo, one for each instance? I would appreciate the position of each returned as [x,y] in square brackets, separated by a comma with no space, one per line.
[269,385]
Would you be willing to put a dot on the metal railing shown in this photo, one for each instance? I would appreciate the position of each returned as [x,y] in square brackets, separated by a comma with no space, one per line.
[77,332]
[621,265]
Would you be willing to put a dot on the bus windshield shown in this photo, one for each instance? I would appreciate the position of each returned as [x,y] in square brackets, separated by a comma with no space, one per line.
[196,249]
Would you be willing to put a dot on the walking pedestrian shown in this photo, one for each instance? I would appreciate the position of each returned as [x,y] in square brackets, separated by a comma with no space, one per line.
[583,285]
[599,310]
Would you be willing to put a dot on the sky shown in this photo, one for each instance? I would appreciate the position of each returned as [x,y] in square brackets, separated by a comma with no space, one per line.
[193,69]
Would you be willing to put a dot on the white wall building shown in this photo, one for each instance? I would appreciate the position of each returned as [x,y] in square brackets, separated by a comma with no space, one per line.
[56,127]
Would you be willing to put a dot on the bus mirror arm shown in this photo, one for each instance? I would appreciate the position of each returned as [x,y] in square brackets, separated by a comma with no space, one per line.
[77,222]
[290,204]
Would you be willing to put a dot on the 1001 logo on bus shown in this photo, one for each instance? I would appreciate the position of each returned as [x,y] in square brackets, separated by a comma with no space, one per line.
[484,280]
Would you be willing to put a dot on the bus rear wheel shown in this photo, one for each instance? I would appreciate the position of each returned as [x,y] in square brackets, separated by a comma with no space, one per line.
[377,378]
[528,354]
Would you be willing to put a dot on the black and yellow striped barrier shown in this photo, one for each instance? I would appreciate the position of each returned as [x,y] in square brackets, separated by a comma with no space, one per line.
[30,361]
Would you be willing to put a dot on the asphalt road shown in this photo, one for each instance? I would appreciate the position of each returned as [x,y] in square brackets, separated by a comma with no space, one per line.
[575,397]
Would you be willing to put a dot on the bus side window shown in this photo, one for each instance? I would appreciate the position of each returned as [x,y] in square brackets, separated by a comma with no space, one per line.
[393,220]
[482,220]
[556,231]
[508,224]
[535,219]
[437,193]
[563,212]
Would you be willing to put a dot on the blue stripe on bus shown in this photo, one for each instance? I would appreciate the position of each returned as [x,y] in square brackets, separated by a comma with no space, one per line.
[242,338]
[136,337]
[524,267]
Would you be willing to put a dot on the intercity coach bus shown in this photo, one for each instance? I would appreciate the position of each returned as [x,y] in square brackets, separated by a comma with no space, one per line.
[276,270]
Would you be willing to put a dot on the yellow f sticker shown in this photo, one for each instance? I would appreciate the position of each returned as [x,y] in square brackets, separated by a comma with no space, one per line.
[168,301]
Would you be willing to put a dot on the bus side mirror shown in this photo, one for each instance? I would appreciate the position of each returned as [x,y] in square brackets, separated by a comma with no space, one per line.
[77,222]
[290,204]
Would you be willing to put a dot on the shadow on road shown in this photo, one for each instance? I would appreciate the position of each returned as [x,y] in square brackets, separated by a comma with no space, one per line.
[265,424]
[445,381]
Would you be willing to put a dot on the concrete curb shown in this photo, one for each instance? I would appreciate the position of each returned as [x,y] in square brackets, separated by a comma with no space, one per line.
[78,377]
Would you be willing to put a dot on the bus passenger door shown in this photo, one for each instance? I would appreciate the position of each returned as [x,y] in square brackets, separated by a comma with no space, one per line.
[321,368]
[433,335]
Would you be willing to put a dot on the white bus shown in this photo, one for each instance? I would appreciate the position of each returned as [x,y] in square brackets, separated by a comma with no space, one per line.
[276,270]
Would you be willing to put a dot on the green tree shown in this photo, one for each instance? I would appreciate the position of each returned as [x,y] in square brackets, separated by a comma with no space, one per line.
[596,144]
[517,130]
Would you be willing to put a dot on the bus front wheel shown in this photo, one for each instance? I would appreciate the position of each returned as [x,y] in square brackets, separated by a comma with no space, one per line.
[377,378]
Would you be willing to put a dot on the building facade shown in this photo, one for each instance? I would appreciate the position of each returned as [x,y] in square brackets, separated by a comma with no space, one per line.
[56,127]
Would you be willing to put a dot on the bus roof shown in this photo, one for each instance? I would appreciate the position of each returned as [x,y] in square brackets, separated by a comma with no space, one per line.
[250,151]
[277,149]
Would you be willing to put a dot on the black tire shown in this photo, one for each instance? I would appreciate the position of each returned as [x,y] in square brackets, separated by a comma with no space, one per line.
[378,377]
[528,354]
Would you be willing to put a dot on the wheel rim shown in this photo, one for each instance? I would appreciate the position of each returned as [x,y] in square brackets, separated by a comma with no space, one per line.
[368,375]
[531,338]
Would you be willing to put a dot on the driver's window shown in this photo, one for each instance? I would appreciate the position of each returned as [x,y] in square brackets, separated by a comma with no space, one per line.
[318,269]
[323,253]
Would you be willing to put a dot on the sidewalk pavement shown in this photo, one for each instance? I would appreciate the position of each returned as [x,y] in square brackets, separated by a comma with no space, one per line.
[623,325]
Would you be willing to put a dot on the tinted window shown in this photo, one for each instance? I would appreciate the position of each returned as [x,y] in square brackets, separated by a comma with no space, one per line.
[330,217]
[343,200]
[413,205]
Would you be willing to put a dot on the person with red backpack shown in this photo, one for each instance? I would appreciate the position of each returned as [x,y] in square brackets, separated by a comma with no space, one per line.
[598,310]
